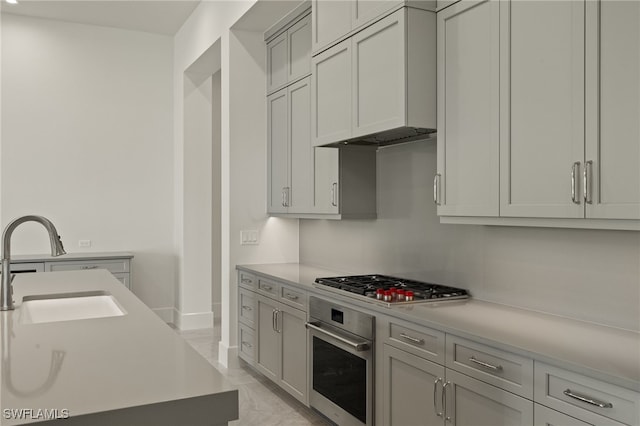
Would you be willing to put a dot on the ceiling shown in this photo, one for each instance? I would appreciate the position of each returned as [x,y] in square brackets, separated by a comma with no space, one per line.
[160,17]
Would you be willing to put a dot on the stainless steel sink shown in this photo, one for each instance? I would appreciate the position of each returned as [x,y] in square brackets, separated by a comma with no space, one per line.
[68,307]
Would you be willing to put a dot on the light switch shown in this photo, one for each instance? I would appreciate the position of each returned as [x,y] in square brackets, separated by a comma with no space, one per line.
[249,237]
[84,243]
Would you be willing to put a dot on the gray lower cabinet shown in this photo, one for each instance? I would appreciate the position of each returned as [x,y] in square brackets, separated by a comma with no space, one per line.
[544,416]
[421,392]
[282,346]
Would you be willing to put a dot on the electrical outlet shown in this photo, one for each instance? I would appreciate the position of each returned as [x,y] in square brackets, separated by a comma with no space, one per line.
[249,237]
[84,243]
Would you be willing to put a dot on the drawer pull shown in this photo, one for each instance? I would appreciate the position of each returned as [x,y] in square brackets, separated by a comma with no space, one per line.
[247,308]
[90,267]
[247,344]
[267,287]
[486,365]
[412,339]
[291,296]
[587,399]
[246,281]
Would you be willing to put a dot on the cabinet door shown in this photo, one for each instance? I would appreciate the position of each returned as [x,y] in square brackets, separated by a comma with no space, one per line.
[331,91]
[331,20]
[278,151]
[301,193]
[379,67]
[268,351]
[293,363]
[469,109]
[277,51]
[409,384]
[327,180]
[470,402]
[364,11]
[542,107]
[613,108]
[299,45]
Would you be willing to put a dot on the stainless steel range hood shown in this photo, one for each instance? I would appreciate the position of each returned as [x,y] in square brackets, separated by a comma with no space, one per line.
[389,137]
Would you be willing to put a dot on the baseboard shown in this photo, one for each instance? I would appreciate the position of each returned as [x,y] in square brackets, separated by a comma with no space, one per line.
[167,315]
[193,321]
[228,355]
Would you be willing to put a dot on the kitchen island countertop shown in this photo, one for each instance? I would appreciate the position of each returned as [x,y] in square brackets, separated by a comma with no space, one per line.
[127,370]
[608,353]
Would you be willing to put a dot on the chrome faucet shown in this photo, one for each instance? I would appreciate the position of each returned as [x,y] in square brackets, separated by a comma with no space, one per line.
[6,290]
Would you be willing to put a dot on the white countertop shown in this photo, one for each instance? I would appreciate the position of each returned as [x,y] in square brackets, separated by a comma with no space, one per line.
[121,365]
[28,258]
[607,353]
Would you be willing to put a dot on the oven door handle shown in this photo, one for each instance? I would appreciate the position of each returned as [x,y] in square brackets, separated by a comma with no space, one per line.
[358,346]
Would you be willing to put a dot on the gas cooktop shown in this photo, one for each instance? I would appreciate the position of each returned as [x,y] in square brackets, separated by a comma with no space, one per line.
[391,290]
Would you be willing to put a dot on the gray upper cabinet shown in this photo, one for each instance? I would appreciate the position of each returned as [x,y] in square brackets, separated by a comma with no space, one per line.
[331,94]
[331,20]
[542,108]
[467,180]
[289,54]
[382,78]
[612,109]
[290,156]
[560,81]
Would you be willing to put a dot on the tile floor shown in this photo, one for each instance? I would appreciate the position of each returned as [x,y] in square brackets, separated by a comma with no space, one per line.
[261,402]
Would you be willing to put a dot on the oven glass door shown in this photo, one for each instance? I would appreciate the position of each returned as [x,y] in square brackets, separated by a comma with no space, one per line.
[341,377]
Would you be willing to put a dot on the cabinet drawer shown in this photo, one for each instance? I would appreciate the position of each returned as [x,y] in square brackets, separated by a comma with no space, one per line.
[544,416]
[246,343]
[500,368]
[269,288]
[246,307]
[247,280]
[580,396]
[295,298]
[420,341]
[114,266]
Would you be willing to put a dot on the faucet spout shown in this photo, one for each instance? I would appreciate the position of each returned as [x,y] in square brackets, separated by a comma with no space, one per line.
[57,249]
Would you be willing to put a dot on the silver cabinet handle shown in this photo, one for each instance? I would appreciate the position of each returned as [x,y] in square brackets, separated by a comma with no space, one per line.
[435,392]
[587,399]
[334,194]
[284,202]
[278,320]
[288,196]
[247,308]
[436,189]
[444,401]
[246,281]
[358,346]
[486,365]
[90,267]
[291,296]
[587,175]
[412,339]
[575,169]
[247,344]
[273,320]
[266,287]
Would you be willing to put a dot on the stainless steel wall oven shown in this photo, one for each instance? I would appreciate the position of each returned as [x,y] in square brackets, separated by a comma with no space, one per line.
[341,362]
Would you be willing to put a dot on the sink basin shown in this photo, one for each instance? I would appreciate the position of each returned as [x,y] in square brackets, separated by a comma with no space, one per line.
[68,307]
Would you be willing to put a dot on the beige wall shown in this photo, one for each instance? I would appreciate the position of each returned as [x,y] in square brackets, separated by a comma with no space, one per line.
[86,141]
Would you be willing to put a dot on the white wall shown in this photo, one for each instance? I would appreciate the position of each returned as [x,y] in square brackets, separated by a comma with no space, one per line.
[243,152]
[587,274]
[86,141]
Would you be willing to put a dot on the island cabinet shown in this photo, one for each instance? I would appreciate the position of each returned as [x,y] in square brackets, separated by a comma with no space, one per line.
[272,335]
[418,389]
[538,106]
[355,93]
